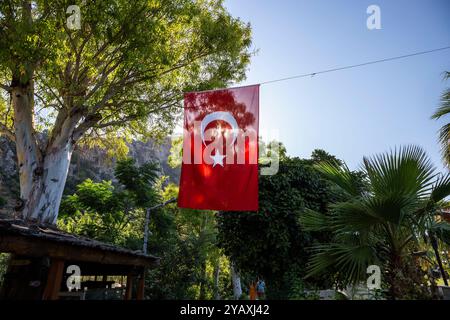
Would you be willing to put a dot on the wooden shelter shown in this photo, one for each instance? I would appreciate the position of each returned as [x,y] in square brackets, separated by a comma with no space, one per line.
[41,256]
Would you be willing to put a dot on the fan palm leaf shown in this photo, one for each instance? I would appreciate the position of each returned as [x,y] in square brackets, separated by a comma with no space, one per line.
[407,170]
[444,132]
[441,188]
[349,260]
[382,223]
[442,230]
[341,176]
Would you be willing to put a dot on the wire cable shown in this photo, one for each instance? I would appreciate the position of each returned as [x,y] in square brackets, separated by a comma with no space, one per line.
[355,65]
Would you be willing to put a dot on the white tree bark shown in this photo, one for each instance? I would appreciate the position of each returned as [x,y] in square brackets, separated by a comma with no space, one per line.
[42,174]
[46,197]
[236,281]
[28,154]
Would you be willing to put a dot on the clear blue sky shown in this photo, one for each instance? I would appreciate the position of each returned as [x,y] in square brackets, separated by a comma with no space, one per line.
[355,112]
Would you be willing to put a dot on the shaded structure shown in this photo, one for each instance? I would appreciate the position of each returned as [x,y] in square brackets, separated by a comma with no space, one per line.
[41,255]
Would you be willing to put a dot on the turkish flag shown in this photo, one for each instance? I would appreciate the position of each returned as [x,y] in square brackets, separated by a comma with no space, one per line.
[220,150]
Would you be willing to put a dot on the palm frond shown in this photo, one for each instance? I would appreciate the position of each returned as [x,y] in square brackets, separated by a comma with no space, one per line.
[407,170]
[351,261]
[341,176]
[444,107]
[441,230]
[353,216]
[384,223]
[444,139]
[444,132]
[312,220]
[442,110]
[392,208]
[441,189]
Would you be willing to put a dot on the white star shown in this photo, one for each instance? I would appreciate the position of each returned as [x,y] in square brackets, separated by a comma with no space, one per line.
[217,158]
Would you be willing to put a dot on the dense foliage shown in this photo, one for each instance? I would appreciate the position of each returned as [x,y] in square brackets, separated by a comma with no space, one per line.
[383,225]
[192,266]
[112,213]
[271,243]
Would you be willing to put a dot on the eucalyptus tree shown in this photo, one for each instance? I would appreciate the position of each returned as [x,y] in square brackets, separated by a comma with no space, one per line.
[120,74]
[383,223]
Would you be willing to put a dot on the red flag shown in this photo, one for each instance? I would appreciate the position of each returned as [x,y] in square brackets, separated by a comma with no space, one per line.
[220,150]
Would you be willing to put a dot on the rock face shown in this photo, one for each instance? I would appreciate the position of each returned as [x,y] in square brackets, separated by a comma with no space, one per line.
[86,163]
[9,177]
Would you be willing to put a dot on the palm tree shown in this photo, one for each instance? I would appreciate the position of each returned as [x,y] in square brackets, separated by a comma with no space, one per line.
[444,132]
[380,225]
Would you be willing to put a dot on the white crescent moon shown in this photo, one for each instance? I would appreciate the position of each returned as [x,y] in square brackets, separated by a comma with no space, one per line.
[219,115]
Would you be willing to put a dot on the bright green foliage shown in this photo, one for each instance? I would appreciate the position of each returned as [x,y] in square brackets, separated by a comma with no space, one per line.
[319,155]
[99,211]
[186,242]
[184,239]
[138,181]
[128,65]
[382,225]
[121,75]
[176,153]
[113,214]
[266,150]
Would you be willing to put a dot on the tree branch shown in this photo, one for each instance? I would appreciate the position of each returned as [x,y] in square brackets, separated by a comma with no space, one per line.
[181,64]
[104,75]
[5,87]
[88,123]
[51,91]
[8,133]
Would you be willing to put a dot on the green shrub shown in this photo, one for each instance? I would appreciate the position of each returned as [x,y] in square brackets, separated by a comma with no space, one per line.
[3,202]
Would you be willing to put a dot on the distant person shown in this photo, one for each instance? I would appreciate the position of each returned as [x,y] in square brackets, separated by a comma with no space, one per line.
[261,289]
[252,291]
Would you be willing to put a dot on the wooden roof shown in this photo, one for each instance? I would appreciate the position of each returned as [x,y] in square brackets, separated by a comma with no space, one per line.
[25,239]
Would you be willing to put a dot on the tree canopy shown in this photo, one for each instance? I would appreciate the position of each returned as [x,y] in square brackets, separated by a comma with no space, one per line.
[121,74]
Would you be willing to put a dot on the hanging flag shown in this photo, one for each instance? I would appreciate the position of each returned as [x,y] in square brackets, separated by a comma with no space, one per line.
[220,150]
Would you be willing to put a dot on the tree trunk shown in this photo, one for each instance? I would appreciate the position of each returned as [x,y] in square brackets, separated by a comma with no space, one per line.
[434,244]
[43,203]
[394,276]
[203,282]
[236,281]
[42,172]
[28,154]
[42,176]
[216,280]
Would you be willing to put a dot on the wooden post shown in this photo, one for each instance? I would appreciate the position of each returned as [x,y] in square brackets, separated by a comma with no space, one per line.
[129,288]
[55,275]
[141,286]
[147,220]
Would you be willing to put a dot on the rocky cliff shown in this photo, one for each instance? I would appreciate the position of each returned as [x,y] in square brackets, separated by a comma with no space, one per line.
[86,163]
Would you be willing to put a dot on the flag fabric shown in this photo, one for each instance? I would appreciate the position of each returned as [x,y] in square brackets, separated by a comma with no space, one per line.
[220,150]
